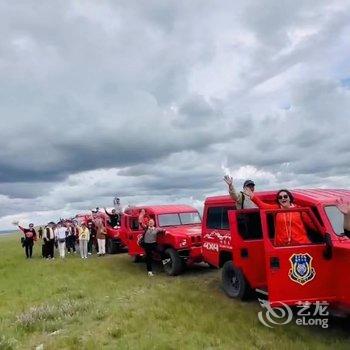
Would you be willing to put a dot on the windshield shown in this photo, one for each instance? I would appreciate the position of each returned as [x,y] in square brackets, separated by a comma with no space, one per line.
[169,220]
[190,218]
[179,219]
[336,218]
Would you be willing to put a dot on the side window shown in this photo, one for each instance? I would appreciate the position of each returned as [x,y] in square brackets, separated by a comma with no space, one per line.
[249,226]
[214,218]
[224,221]
[134,224]
[217,218]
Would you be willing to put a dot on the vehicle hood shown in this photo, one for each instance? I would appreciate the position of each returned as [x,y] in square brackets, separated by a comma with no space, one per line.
[184,230]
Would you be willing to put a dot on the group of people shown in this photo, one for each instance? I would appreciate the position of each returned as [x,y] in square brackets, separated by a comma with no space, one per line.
[290,227]
[65,236]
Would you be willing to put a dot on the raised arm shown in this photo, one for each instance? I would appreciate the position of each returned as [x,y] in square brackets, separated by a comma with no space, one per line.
[110,215]
[231,190]
[344,208]
[21,228]
[141,218]
[24,230]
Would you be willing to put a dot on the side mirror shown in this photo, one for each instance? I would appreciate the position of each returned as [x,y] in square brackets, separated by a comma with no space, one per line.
[328,252]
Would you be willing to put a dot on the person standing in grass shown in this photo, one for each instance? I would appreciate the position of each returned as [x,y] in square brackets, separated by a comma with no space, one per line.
[61,234]
[49,242]
[40,231]
[150,241]
[101,237]
[71,238]
[92,238]
[29,238]
[84,236]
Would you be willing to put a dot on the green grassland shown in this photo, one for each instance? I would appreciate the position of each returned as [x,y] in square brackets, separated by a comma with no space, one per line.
[111,303]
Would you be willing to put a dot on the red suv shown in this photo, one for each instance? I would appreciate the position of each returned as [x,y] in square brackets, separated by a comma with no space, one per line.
[242,241]
[179,246]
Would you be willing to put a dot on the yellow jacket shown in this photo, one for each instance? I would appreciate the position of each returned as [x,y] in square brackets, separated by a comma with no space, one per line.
[84,234]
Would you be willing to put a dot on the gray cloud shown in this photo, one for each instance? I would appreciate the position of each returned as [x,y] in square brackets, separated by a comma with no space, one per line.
[149,100]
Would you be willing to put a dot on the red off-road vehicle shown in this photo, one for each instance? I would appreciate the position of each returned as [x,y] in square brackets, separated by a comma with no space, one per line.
[83,217]
[115,238]
[179,246]
[242,242]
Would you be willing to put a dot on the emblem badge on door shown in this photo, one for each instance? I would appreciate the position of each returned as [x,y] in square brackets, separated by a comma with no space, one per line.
[302,271]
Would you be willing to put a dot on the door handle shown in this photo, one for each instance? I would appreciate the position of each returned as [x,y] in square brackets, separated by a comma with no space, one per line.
[274,262]
[244,253]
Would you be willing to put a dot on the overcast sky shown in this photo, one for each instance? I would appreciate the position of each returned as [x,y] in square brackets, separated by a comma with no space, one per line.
[156,100]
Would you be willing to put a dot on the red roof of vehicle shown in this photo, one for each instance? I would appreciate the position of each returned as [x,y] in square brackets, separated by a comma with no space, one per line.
[312,195]
[219,200]
[83,215]
[166,209]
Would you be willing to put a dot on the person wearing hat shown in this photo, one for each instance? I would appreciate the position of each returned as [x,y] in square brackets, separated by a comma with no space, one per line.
[242,200]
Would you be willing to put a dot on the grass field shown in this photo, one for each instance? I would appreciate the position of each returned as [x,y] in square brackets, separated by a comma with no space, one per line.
[110,303]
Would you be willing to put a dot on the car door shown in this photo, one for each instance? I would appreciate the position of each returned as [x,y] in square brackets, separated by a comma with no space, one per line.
[216,238]
[299,272]
[134,234]
[248,245]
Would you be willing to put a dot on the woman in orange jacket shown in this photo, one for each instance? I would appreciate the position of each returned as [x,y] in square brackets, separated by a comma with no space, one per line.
[289,226]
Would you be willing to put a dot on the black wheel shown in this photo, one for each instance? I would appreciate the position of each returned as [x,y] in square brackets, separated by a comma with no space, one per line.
[233,281]
[112,246]
[172,262]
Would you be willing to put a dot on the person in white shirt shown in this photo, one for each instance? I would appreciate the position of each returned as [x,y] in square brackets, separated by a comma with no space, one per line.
[60,235]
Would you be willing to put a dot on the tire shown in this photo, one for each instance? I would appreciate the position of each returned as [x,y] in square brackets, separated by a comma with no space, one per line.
[112,246]
[173,264]
[234,282]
